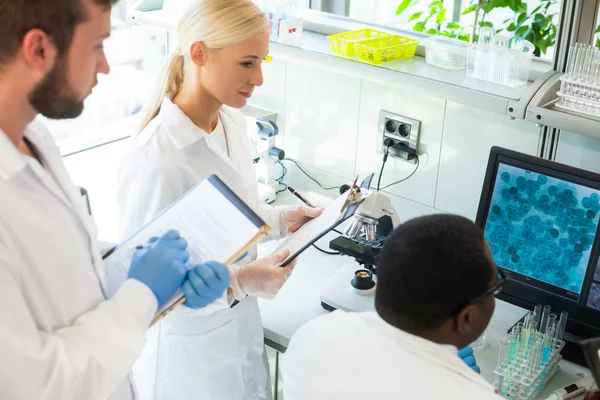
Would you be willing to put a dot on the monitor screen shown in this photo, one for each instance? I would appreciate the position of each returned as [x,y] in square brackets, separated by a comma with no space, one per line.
[541,221]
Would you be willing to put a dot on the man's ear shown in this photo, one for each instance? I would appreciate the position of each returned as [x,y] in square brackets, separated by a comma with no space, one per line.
[39,51]
[465,320]
[198,54]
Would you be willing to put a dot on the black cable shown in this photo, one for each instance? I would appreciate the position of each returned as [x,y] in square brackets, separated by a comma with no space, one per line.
[280,179]
[283,172]
[310,177]
[390,143]
[330,253]
[402,180]
[336,231]
[282,190]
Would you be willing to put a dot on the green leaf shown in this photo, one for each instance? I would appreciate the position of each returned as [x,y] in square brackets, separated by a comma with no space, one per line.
[512,27]
[436,4]
[466,37]
[514,4]
[403,6]
[597,29]
[470,9]
[441,16]
[598,44]
[419,27]
[487,23]
[521,18]
[432,31]
[521,31]
[453,25]
[415,16]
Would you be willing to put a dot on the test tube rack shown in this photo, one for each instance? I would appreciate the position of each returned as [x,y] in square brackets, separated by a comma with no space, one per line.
[513,382]
[506,67]
[493,60]
[529,355]
[580,84]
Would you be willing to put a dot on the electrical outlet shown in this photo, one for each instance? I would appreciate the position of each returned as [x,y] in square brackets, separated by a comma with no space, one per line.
[403,131]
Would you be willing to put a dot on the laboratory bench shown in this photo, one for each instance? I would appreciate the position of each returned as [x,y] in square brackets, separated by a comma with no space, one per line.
[299,301]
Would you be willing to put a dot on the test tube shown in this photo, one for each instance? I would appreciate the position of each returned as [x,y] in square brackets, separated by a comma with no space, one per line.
[502,354]
[544,321]
[485,35]
[568,73]
[537,313]
[551,322]
[562,323]
[512,351]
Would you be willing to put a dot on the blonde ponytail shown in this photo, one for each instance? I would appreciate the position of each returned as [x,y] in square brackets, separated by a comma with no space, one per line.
[169,82]
[216,23]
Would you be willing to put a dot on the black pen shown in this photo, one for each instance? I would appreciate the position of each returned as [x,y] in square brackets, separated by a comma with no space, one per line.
[298,195]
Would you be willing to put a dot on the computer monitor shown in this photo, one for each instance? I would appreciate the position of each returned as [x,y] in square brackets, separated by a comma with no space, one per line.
[541,221]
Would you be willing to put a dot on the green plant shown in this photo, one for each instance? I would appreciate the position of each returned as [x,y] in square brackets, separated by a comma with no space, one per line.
[536,26]
[434,21]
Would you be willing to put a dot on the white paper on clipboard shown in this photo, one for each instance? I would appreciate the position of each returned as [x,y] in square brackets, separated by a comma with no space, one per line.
[314,229]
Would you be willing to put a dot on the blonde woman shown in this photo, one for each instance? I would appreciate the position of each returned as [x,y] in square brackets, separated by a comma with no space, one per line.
[194,128]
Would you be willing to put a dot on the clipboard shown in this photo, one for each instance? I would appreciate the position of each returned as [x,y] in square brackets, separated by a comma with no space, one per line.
[349,212]
[201,203]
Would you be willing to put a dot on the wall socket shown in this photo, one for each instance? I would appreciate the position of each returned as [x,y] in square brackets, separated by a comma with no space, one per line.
[403,131]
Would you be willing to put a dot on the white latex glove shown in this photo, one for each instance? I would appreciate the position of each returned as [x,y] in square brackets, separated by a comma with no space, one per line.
[261,278]
[291,218]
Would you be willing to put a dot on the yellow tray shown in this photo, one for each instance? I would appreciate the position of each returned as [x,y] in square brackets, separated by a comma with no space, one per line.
[385,49]
[345,43]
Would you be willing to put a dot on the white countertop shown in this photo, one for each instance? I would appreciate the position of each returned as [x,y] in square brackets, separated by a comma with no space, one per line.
[299,301]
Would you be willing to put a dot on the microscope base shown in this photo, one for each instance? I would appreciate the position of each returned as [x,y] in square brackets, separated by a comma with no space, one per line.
[339,294]
[266,194]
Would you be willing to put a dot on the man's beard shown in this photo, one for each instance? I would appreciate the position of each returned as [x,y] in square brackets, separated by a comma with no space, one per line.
[53,98]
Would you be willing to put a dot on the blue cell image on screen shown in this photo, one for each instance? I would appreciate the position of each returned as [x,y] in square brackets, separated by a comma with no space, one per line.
[542,227]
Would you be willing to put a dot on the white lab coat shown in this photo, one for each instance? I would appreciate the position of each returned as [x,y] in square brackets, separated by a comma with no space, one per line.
[59,337]
[357,356]
[217,352]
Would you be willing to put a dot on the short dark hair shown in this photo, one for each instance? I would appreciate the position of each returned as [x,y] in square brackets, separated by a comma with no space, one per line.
[58,18]
[429,268]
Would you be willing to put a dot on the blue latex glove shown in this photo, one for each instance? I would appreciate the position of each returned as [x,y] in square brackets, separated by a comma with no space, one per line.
[468,357]
[161,266]
[205,283]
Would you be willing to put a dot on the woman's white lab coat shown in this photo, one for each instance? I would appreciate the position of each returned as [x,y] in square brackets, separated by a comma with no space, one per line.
[59,337]
[217,352]
[357,356]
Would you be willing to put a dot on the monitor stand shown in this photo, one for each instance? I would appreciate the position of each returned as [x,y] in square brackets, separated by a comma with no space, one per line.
[572,351]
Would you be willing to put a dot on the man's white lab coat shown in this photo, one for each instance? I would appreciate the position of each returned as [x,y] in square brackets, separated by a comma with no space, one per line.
[59,337]
[354,356]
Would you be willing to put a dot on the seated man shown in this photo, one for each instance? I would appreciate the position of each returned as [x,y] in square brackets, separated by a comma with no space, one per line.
[435,294]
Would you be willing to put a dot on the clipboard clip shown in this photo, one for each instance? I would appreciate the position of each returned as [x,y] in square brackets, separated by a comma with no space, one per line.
[354,196]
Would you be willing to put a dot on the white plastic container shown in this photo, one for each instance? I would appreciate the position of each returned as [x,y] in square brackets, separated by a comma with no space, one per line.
[446,53]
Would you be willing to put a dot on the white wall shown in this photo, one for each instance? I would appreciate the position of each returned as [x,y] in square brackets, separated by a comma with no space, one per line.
[330,126]
[579,151]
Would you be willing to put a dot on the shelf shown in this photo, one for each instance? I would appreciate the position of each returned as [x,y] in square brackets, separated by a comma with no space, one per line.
[541,110]
[412,74]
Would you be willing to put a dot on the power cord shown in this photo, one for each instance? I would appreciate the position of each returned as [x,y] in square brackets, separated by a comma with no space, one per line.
[402,180]
[329,253]
[279,180]
[387,143]
[310,177]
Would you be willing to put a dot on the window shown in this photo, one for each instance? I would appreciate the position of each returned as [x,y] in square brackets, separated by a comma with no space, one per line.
[533,20]
[135,54]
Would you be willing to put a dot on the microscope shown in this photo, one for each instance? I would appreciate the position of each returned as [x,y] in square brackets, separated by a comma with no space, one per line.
[266,157]
[353,286]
